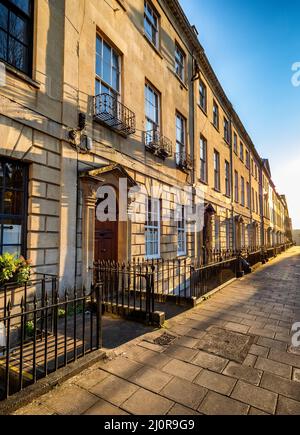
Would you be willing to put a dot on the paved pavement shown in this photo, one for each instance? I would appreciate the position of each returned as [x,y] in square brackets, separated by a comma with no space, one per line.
[230,355]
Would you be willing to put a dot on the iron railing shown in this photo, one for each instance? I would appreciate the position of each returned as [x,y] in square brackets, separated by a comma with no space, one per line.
[207,278]
[127,288]
[184,161]
[254,257]
[110,111]
[46,332]
[213,256]
[158,144]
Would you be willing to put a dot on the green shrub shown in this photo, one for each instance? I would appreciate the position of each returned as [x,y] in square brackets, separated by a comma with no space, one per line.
[13,269]
[29,328]
[61,312]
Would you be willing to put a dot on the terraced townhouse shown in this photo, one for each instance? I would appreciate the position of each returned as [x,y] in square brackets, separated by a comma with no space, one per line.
[97,92]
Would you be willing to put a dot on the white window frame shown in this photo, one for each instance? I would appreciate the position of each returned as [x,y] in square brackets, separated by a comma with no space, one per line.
[154,122]
[248,195]
[180,146]
[203,95]
[227,179]
[217,171]
[242,152]
[226,130]
[242,191]
[181,230]
[216,115]
[235,143]
[152,18]
[100,79]
[179,62]
[236,187]
[150,226]
[203,160]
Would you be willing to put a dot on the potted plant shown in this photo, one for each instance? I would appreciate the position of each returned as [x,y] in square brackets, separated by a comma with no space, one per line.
[14,273]
[14,270]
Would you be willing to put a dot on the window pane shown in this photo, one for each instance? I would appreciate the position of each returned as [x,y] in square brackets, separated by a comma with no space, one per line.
[11,234]
[12,203]
[13,175]
[1,175]
[151,103]
[98,65]
[3,45]
[3,16]
[18,28]
[24,5]
[115,61]
[99,46]
[17,55]
[115,79]
[148,29]
[106,73]
[15,250]
[106,53]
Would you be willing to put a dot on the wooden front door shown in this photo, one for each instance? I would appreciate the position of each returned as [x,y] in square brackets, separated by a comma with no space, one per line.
[106,241]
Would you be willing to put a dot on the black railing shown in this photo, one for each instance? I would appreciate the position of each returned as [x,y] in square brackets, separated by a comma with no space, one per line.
[110,111]
[46,332]
[207,278]
[127,288]
[254,256]
[184,161]
[158,144]
[213,256]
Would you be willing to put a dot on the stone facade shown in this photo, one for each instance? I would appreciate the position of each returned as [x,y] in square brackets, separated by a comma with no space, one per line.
[39,125]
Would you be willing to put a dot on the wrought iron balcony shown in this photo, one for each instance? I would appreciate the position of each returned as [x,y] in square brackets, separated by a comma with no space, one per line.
[184,161]
[109,111]
[158,144]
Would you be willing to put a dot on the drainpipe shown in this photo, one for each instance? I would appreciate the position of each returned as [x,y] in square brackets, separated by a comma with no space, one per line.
[194,77]
[262,218]
[76,224]
[232,185]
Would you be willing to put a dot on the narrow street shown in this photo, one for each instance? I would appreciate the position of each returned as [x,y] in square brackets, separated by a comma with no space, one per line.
[230,355]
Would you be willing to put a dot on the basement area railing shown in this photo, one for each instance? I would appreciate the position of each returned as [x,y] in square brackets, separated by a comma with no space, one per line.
[42,331]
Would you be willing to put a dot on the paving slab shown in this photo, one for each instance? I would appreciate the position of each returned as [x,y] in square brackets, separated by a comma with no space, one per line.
[70,400]
[287,406]
[281,386]
[182,369]
[247,374]
[216,404]
[255,396]
[215,382]
[181,353]
[184,392]
[182,410]
[144,402]
[104,408]
[90,378]
[115,390]
[151,379]
[275,367]
[209,361]
[122,367]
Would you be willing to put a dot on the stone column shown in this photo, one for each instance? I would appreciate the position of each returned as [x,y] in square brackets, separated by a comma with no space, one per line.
[90,186]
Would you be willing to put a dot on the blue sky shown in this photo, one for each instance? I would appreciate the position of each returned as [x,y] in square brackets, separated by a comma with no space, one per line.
[252,45]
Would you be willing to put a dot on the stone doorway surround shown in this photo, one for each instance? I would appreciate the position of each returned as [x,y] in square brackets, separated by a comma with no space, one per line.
[91,181]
